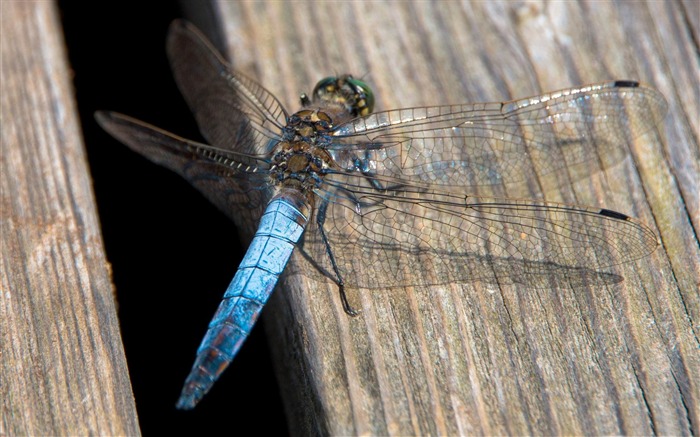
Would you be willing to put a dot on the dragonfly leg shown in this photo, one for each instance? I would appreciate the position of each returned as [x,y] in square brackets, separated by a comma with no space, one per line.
[363,166]
[320,219]
[349,310]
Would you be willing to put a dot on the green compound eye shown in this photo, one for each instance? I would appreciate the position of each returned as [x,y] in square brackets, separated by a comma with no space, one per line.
[354,94]
[325,86]
[364,92]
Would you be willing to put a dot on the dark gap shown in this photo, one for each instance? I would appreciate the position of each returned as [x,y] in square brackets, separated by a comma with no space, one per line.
[172,253]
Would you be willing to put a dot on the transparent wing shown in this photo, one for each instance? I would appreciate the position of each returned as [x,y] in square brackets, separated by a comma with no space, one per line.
[452,238]
[496,143]
[232,111]
[234,182]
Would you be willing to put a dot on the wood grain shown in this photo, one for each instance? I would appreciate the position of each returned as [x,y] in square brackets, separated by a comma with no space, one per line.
[62,365]
[472,358]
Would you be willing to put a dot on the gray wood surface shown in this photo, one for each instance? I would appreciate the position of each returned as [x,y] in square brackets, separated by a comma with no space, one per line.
[477,358]
[62,365]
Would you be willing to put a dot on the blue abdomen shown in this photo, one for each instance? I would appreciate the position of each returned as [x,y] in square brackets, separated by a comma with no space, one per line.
[279,231]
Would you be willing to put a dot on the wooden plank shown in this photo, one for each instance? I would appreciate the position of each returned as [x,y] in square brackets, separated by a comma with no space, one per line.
[616,359]
[62,366]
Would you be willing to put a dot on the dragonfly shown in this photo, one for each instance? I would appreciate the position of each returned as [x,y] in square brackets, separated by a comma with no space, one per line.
[373,198]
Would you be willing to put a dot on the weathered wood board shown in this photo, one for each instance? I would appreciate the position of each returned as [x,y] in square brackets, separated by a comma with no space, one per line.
[62,366]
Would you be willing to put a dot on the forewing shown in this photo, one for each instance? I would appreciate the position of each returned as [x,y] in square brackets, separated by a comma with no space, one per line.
[232,111]
[235,183]
[382,239]
[495,143]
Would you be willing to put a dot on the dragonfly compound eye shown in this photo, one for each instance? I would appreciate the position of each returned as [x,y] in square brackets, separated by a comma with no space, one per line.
[354,94]
[364,96]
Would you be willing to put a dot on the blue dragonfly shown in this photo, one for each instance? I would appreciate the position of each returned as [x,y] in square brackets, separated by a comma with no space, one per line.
[372,198]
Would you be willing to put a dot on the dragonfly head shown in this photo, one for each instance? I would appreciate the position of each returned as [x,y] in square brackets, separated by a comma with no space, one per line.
[355,95]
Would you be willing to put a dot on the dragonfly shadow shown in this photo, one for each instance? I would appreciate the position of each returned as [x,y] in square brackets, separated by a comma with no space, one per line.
[486,270]
[546,275]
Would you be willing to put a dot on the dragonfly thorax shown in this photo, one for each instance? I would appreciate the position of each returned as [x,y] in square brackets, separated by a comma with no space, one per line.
[301,164]
[301,159]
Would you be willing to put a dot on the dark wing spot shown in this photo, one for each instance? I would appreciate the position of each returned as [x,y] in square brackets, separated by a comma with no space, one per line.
[613,214]
[626,84]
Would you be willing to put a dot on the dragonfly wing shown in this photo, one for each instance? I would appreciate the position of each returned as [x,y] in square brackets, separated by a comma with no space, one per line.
[235,183]
[495,143]
[452,238]
[232,111]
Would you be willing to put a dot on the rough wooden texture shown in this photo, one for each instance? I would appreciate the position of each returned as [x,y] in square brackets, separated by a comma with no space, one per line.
[477,359]
[62,366]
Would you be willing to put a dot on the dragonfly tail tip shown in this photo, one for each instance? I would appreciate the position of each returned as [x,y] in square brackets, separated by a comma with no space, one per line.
[189,398]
